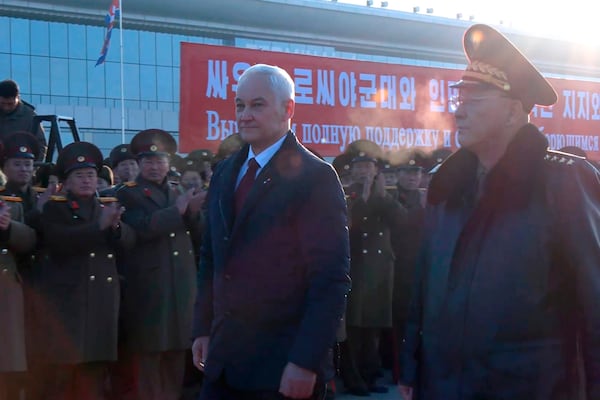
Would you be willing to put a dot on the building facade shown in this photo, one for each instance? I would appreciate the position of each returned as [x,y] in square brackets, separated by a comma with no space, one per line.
[51,47]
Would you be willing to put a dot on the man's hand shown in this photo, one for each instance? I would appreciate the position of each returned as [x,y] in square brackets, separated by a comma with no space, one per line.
[4,216]
[297,382]
[378,185]
[183,201]
[199,351]
[197,200]
[108,215]
[44,197]
[405,391]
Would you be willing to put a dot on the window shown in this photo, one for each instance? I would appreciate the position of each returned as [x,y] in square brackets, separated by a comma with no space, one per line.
[19,36]
[40,44]
[58,40]
[5,35]
[77,78]
[77,41]
[148,48]
[164,49]
[131,43]
[164,83]
[40,75]
[59,77]
[20,72]
[148,82]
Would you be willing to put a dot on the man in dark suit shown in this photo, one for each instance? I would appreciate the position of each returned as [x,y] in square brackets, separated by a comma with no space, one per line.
[274,263]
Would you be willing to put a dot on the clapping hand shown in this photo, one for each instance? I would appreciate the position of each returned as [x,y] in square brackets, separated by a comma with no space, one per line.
[4,216]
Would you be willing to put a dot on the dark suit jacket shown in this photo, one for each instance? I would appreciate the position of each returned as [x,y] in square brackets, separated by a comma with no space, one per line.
[273,280]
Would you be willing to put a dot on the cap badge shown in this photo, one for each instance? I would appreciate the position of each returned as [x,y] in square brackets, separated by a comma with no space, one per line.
[23,149]
[80,159]
[123,150]
[153,147]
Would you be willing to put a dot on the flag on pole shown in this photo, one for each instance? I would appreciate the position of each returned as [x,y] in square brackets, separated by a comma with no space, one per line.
[111,16]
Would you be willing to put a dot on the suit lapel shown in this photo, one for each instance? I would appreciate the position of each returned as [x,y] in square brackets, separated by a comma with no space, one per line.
[269,177]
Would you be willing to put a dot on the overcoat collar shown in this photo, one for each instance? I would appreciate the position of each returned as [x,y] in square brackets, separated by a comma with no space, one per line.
[162,195]
[517,170]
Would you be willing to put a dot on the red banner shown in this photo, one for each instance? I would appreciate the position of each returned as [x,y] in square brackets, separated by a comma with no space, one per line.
[339,101]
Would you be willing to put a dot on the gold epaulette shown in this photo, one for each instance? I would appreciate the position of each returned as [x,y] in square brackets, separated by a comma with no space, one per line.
[14,199]
[58,198]
[38,189]
[130,183]
[108,199]
[562,158]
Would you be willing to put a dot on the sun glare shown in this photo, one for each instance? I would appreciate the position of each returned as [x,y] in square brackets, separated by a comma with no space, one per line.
[575,21]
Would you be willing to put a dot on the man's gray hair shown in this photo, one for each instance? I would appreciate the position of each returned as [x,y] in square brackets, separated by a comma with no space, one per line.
[281,82]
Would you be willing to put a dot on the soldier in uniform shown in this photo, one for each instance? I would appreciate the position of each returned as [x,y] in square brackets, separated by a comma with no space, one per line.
[375,220]
[17,115]
[20,151]
[123,163]
[16,238]
[205,158]
[160,272]
[505,302]
[78,282]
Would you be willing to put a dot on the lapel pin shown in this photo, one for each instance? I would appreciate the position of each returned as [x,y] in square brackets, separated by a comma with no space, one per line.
[266,181]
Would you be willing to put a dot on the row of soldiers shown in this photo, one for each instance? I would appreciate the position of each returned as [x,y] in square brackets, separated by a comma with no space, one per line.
[98,291]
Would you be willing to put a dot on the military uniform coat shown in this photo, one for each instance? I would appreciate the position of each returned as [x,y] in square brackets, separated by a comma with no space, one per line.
[160,272]
[372,225]
[78,283]
[506,300]
[19,239]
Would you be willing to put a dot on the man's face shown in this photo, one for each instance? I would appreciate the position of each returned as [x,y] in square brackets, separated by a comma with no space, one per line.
[363,171]
[82,182]
[390,178]
[409,179]
[481,116]
[18,170]
[8,104]
[154,168]
[261,116]
[127,170]
[191,179]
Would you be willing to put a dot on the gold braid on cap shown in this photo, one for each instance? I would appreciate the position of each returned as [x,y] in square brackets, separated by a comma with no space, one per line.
[488,74]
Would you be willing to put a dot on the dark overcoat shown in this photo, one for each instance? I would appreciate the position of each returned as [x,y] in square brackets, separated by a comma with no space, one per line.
[159,272]
[18,240]
[506,302]
[373,224]
[273,279]
[77,283]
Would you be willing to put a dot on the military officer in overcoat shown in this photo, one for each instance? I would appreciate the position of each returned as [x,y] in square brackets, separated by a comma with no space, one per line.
[375,221]
[16,238]
[505,303]
[78,284]
[123,163]
[160,272]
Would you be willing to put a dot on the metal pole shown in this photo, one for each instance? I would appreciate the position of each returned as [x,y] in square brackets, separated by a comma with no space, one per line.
[122,83]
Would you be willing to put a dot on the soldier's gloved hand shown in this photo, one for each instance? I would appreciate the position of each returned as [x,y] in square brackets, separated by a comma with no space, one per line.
[183,201]
[44,197]
[4,216]
[108,214]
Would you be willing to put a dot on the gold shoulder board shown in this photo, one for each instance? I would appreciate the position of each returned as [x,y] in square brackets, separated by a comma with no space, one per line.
[14,199]
[38,189]
[58,198]
[130,183]
[108,199]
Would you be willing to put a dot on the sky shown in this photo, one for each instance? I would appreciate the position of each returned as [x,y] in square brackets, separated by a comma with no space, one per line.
[573,20]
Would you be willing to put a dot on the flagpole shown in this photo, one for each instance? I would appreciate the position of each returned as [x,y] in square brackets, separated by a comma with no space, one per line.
[122,83]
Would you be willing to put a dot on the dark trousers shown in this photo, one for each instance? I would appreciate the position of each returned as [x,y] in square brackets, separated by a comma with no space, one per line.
[10,385]
[149,376]
[361,363]
[85,381]
[220,390]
